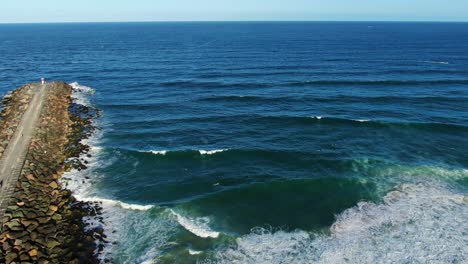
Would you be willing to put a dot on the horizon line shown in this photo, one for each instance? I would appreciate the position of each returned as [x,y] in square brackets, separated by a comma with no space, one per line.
[237,21]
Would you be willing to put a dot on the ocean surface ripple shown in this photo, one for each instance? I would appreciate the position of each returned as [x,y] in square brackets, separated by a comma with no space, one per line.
[287,142]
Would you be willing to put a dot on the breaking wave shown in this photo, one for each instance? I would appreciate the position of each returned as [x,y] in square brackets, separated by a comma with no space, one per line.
[117,203]
[423,222]
[197,226]
[81,93]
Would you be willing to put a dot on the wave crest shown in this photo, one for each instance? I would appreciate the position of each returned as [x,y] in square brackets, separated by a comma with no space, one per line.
[197,226]
[201,152]
[136,207]
[422,222]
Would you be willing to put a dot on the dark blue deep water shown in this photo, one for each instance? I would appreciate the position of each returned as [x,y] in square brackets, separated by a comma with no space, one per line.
[266,142]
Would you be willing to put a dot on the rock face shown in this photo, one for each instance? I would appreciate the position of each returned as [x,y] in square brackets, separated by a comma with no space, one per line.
[43,222]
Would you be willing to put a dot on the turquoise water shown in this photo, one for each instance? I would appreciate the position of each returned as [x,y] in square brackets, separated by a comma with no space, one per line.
[266,142]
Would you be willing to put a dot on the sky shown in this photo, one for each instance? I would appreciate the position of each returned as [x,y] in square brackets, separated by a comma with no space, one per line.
[34,11]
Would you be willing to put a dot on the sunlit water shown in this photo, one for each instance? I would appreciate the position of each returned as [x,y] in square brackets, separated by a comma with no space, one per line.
[266,142]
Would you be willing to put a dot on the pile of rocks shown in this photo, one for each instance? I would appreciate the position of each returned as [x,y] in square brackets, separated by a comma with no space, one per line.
[43,222]
[12,104]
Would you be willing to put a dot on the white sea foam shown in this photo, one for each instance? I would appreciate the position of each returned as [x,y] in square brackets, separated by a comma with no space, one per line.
[437,62]
[197,226]
[81,93]
[159,152]
[416,223]
[389,175]
[211,152]
[194,252]
[117,203]
[202,152]
[362,120]
[82,88]
[357,120]
[134,231]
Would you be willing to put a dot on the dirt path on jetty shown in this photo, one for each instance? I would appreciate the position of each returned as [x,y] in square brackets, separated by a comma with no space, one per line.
[14,156]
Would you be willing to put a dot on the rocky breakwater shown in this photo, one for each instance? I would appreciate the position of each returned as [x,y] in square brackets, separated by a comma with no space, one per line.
[44,222]
[12,104]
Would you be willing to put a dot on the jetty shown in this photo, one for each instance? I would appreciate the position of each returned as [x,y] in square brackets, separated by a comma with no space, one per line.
[41,222]
[13,157]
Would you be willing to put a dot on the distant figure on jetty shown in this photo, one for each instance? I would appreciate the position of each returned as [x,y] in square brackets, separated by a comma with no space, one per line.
[43,80]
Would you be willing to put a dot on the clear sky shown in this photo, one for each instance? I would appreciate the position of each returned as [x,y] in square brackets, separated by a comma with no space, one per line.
[17,11]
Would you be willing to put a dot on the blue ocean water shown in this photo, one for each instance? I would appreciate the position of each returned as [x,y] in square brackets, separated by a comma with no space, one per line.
[286,142]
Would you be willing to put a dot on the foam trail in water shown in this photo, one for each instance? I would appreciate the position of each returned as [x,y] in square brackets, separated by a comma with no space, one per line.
[416,223]
[198,226]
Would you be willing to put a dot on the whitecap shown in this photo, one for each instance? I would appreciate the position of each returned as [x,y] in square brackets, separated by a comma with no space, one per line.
[159,152]
[211,152]
[194,252]
[197,226]
[202,152]
[437,62]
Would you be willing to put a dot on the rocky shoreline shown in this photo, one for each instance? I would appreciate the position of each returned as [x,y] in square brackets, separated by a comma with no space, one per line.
[44,222]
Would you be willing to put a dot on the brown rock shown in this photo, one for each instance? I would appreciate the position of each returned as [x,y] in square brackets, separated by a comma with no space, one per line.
[33,236]
[10,257]
[27,222]
[31,215]
[51,243]
[32,253]
[43,261]
[24,257]
[32,227]
[12,224]
[18,242]
[53,208]
[43,220]
[57,217]
[31,177]
[6,247]
[53,185]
